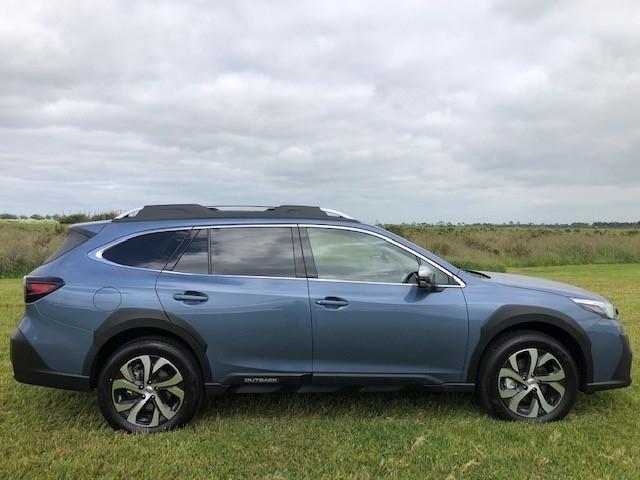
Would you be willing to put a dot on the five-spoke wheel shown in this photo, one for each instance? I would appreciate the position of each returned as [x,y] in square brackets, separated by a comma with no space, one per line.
[531,382]
[148,385]
[527,376]
[148,391]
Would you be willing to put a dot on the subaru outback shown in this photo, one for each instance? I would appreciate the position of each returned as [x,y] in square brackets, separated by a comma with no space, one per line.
[168,303]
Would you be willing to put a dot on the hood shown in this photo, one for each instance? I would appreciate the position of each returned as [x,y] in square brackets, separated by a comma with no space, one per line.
[541,284]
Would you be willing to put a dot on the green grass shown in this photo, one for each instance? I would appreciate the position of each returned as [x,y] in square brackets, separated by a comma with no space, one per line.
[30,224]
[498,248]
[47,433]
[25,244]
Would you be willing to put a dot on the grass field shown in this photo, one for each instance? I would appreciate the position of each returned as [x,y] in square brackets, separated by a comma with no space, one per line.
[498,248]
[24,244]
[47,433]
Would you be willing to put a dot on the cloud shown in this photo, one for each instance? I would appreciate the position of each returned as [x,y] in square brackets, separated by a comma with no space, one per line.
[425,111]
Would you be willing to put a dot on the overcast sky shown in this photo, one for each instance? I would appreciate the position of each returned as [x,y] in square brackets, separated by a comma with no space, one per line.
[391,111]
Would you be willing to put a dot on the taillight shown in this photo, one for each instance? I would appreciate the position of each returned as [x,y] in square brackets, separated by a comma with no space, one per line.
[37,287]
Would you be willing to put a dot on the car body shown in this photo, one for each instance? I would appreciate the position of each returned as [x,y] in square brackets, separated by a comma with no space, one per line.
[305,299]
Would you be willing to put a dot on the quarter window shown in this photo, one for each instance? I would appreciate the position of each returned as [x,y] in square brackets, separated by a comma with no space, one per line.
[152,250]
[348,255]
[253,251]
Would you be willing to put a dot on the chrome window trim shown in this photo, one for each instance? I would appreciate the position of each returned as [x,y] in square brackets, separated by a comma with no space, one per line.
[97,254]
[461,283]
[231,276]
[374,283]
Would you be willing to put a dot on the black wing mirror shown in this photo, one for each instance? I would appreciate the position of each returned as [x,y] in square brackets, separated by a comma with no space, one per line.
[426,277]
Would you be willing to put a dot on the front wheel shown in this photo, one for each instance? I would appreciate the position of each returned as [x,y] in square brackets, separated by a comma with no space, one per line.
[528,376]
[149,385]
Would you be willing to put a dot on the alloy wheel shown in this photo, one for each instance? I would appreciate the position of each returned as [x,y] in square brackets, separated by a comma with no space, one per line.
[531,382]
[148,391]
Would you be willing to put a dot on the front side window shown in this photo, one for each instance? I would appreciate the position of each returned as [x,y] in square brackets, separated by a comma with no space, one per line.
[355,256]
[152,250]
[252,251]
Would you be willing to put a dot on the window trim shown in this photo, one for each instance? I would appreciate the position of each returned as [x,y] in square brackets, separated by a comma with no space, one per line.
[96,254]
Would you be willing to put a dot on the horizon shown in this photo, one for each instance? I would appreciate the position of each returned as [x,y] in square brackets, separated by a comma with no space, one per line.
[439,223]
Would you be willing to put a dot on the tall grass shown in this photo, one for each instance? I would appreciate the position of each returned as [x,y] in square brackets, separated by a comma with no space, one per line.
[496,248]
[24,244]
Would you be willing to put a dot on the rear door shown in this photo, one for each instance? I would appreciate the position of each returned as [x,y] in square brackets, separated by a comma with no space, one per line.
[243,288]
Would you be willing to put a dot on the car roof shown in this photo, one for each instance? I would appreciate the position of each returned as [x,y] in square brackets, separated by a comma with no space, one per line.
[192,211]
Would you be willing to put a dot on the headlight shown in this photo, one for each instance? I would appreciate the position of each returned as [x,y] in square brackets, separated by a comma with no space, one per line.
[604,309]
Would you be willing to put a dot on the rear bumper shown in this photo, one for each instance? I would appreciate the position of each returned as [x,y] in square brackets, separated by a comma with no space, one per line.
[621,375]
[29,368]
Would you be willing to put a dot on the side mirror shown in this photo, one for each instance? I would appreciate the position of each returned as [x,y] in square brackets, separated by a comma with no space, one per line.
[426,276]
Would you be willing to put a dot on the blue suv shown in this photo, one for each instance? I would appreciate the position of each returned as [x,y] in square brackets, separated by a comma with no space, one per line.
[167,303]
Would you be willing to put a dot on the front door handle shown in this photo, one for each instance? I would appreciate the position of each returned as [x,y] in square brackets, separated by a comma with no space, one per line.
[191,297]
[332,302]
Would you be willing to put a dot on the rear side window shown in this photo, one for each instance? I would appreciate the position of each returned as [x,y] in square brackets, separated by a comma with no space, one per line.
[195,258]
[73,240]
[252,251]
[152,250]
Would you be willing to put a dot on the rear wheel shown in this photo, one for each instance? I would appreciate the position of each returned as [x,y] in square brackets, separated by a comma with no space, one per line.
[149,385]
[528,376]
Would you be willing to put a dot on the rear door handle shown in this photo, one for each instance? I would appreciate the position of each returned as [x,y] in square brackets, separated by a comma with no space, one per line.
[191,297]
[332,302]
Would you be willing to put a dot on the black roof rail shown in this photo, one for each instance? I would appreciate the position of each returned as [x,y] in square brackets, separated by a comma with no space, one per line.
[195,211]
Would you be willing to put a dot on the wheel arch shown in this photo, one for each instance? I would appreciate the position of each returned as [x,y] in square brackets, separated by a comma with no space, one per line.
[553,323]
[128,324]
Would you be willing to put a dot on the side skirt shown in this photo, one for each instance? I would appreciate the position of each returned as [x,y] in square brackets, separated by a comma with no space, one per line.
[325,383]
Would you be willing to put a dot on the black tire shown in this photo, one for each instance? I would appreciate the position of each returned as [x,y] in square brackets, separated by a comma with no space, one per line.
[491,375]
[176,360]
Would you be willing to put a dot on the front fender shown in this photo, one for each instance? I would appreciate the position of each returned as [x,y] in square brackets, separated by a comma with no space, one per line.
[546,320]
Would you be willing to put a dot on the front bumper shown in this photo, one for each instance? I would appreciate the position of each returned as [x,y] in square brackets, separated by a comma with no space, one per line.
[29,368]
[621,375]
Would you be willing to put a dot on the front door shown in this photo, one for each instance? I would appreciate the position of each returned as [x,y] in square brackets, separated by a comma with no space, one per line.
[370,319]
[243,291]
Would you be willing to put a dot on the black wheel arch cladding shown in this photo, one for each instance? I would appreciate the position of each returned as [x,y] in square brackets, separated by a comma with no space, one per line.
[136,321]
[513,316]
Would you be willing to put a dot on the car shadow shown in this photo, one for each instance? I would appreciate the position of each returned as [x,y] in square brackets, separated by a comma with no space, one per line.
[340,404]
[65,408]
